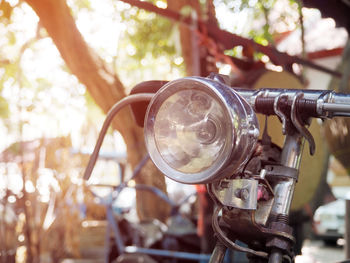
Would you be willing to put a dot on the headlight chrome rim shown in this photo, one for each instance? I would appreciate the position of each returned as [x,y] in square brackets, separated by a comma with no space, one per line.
[222,95]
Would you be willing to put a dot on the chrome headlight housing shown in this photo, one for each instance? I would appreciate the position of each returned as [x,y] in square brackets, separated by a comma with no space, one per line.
[198,130]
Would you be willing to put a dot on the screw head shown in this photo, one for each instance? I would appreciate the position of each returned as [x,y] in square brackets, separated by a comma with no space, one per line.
[242,193]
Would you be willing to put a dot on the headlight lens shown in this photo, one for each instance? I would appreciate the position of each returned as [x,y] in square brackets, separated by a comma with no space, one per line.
[198,130]
[189,131]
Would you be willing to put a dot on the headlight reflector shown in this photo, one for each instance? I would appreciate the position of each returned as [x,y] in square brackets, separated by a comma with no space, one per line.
[189,131]
[197,130]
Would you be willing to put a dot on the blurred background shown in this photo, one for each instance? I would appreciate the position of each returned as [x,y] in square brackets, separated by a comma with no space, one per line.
[64,63]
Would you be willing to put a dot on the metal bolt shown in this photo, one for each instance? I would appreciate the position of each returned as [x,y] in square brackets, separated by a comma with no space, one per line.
[242,193]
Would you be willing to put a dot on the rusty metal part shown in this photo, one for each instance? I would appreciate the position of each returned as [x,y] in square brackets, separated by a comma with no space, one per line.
[243,225]
[278,242]
[238,193]
[229,243]
[264,207]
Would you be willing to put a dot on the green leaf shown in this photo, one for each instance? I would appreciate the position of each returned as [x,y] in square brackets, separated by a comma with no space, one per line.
[150,34]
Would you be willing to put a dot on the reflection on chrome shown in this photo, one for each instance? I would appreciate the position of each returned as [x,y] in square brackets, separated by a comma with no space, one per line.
[189,130]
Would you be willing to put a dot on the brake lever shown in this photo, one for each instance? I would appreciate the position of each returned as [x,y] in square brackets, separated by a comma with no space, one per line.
[298,124]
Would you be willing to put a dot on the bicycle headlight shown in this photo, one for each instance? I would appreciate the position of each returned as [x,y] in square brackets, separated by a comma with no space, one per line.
[198,130]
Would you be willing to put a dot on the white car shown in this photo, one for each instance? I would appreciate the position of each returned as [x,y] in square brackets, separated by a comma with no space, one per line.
[329,221]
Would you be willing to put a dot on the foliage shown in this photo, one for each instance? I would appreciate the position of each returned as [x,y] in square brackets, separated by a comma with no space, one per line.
[150,34]
[34,94]
[155,35]
[267,18]
[80,4]
[6,69]
[150,37]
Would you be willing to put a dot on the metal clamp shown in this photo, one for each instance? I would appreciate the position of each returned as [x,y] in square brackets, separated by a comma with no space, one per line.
[281,171]
[238,193]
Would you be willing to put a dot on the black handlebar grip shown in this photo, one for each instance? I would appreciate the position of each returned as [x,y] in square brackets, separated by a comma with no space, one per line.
[305,107]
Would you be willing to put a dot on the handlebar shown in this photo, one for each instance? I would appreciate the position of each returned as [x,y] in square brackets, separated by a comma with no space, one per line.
[313,103]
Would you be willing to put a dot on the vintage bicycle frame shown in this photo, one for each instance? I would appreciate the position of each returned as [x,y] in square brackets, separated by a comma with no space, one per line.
[253,207]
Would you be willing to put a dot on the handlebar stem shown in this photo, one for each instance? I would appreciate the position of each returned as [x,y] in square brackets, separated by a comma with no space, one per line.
[291,156]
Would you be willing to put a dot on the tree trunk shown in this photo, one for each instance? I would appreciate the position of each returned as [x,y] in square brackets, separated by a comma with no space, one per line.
[105,88]
[196,56]
[187,36]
